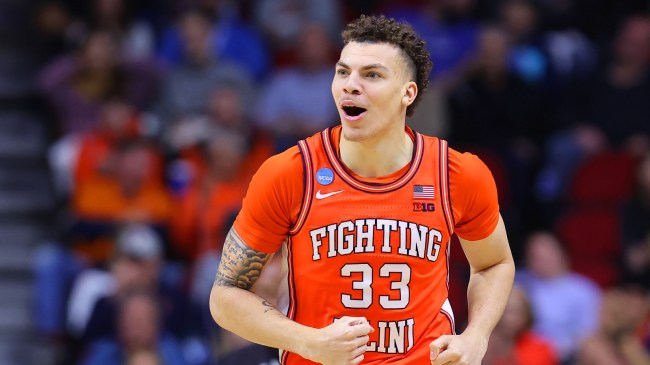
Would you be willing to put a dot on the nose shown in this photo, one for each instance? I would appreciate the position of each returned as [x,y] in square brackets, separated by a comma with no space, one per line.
[351,85]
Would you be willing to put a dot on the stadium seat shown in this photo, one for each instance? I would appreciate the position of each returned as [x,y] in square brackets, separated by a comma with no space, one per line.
[607,178]
[592,240]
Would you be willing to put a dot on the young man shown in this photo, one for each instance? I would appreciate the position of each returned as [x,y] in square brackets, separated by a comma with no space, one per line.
[366,211]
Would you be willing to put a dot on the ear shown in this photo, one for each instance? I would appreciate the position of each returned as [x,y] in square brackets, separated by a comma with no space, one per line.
[410,93]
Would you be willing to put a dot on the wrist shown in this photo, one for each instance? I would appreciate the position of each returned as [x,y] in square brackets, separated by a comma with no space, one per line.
[307,342]
[478,335]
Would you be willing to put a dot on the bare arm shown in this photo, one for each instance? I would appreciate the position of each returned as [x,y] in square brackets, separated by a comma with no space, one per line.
[235,308]
[492,275]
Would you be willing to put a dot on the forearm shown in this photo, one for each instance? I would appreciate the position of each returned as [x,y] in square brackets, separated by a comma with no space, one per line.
[487,294]
[255,319]
[243,312]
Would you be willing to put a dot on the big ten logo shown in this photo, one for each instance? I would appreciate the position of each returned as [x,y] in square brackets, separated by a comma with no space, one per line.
[423,207]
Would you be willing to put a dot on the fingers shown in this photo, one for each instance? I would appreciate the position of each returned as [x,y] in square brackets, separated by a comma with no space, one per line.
[447,357]
[437,346]
[360,325]
[360,341]
[357,360]
[359,351]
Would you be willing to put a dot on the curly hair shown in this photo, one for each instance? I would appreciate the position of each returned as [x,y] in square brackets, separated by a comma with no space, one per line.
[380,29]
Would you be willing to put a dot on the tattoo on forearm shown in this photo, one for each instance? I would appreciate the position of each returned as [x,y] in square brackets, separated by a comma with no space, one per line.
[240,265]
[268,306]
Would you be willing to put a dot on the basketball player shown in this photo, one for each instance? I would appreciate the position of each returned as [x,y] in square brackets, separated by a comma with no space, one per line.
[365,212]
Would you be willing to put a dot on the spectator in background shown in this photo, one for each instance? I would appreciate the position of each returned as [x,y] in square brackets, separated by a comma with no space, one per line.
[616,341]
[512,342]
[608,108]
[499,116]
[616,101]
[77,84]
[208,206]
[565,304]
[226,112]
[126,192]
[137,264]
[450,32]
[78,157]
[120,122]
[526,59]
[297,102]
[283,21]
[494,108]
[231,39]
[134,36]
[635,229]
[53,24]
[139,330]
[187,88]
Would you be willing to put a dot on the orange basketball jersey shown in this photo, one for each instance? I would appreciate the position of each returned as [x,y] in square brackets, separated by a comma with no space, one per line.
[374,250]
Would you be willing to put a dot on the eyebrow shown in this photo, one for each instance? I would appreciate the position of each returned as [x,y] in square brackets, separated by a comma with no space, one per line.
[366,67]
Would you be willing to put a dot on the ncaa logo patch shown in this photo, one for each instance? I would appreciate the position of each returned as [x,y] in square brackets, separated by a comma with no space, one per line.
[324,176]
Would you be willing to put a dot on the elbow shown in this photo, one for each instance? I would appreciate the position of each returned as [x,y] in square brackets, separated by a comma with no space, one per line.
[216,305]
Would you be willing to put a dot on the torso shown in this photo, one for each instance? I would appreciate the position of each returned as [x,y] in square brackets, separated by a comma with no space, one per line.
[374,250]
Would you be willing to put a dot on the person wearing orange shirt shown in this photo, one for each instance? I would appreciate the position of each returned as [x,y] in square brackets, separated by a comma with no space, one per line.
[364,213]
[128,192]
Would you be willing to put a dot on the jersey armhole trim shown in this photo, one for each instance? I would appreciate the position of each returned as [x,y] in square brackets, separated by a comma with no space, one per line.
[444,185]
[308,187]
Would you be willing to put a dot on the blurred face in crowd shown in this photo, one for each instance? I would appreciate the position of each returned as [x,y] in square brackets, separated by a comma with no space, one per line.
[544,256]
[226,154]
[226,107]
[494,47]
[195,31]
[132,272]
[372,90]
[138,323]
[115,116]
[134,166]
[314,47]
[106,9]
[633,42]
[98,53]
[519,17]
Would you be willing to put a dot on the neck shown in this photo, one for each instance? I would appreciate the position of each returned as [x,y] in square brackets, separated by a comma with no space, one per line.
[379,156]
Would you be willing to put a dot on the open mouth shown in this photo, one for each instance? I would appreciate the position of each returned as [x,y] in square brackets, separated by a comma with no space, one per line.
[353,111]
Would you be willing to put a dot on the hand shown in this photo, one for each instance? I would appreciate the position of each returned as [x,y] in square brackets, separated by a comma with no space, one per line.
[462,349]
[341,343]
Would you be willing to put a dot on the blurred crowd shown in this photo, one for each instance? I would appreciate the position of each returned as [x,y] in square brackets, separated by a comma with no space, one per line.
[163,110]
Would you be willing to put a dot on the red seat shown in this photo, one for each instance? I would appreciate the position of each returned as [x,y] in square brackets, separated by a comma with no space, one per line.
[592,241]
[605,178]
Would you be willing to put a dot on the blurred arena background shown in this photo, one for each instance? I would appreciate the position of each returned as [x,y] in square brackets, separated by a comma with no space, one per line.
[129,131]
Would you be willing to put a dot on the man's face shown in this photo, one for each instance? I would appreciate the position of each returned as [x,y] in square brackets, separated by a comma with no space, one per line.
[371,89]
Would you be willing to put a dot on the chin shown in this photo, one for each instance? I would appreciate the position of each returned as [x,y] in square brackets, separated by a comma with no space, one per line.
[355,134]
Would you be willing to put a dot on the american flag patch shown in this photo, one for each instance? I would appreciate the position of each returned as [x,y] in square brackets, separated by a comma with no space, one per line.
[423,192]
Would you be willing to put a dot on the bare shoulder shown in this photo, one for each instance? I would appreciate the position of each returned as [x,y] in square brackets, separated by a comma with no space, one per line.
[240,265]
